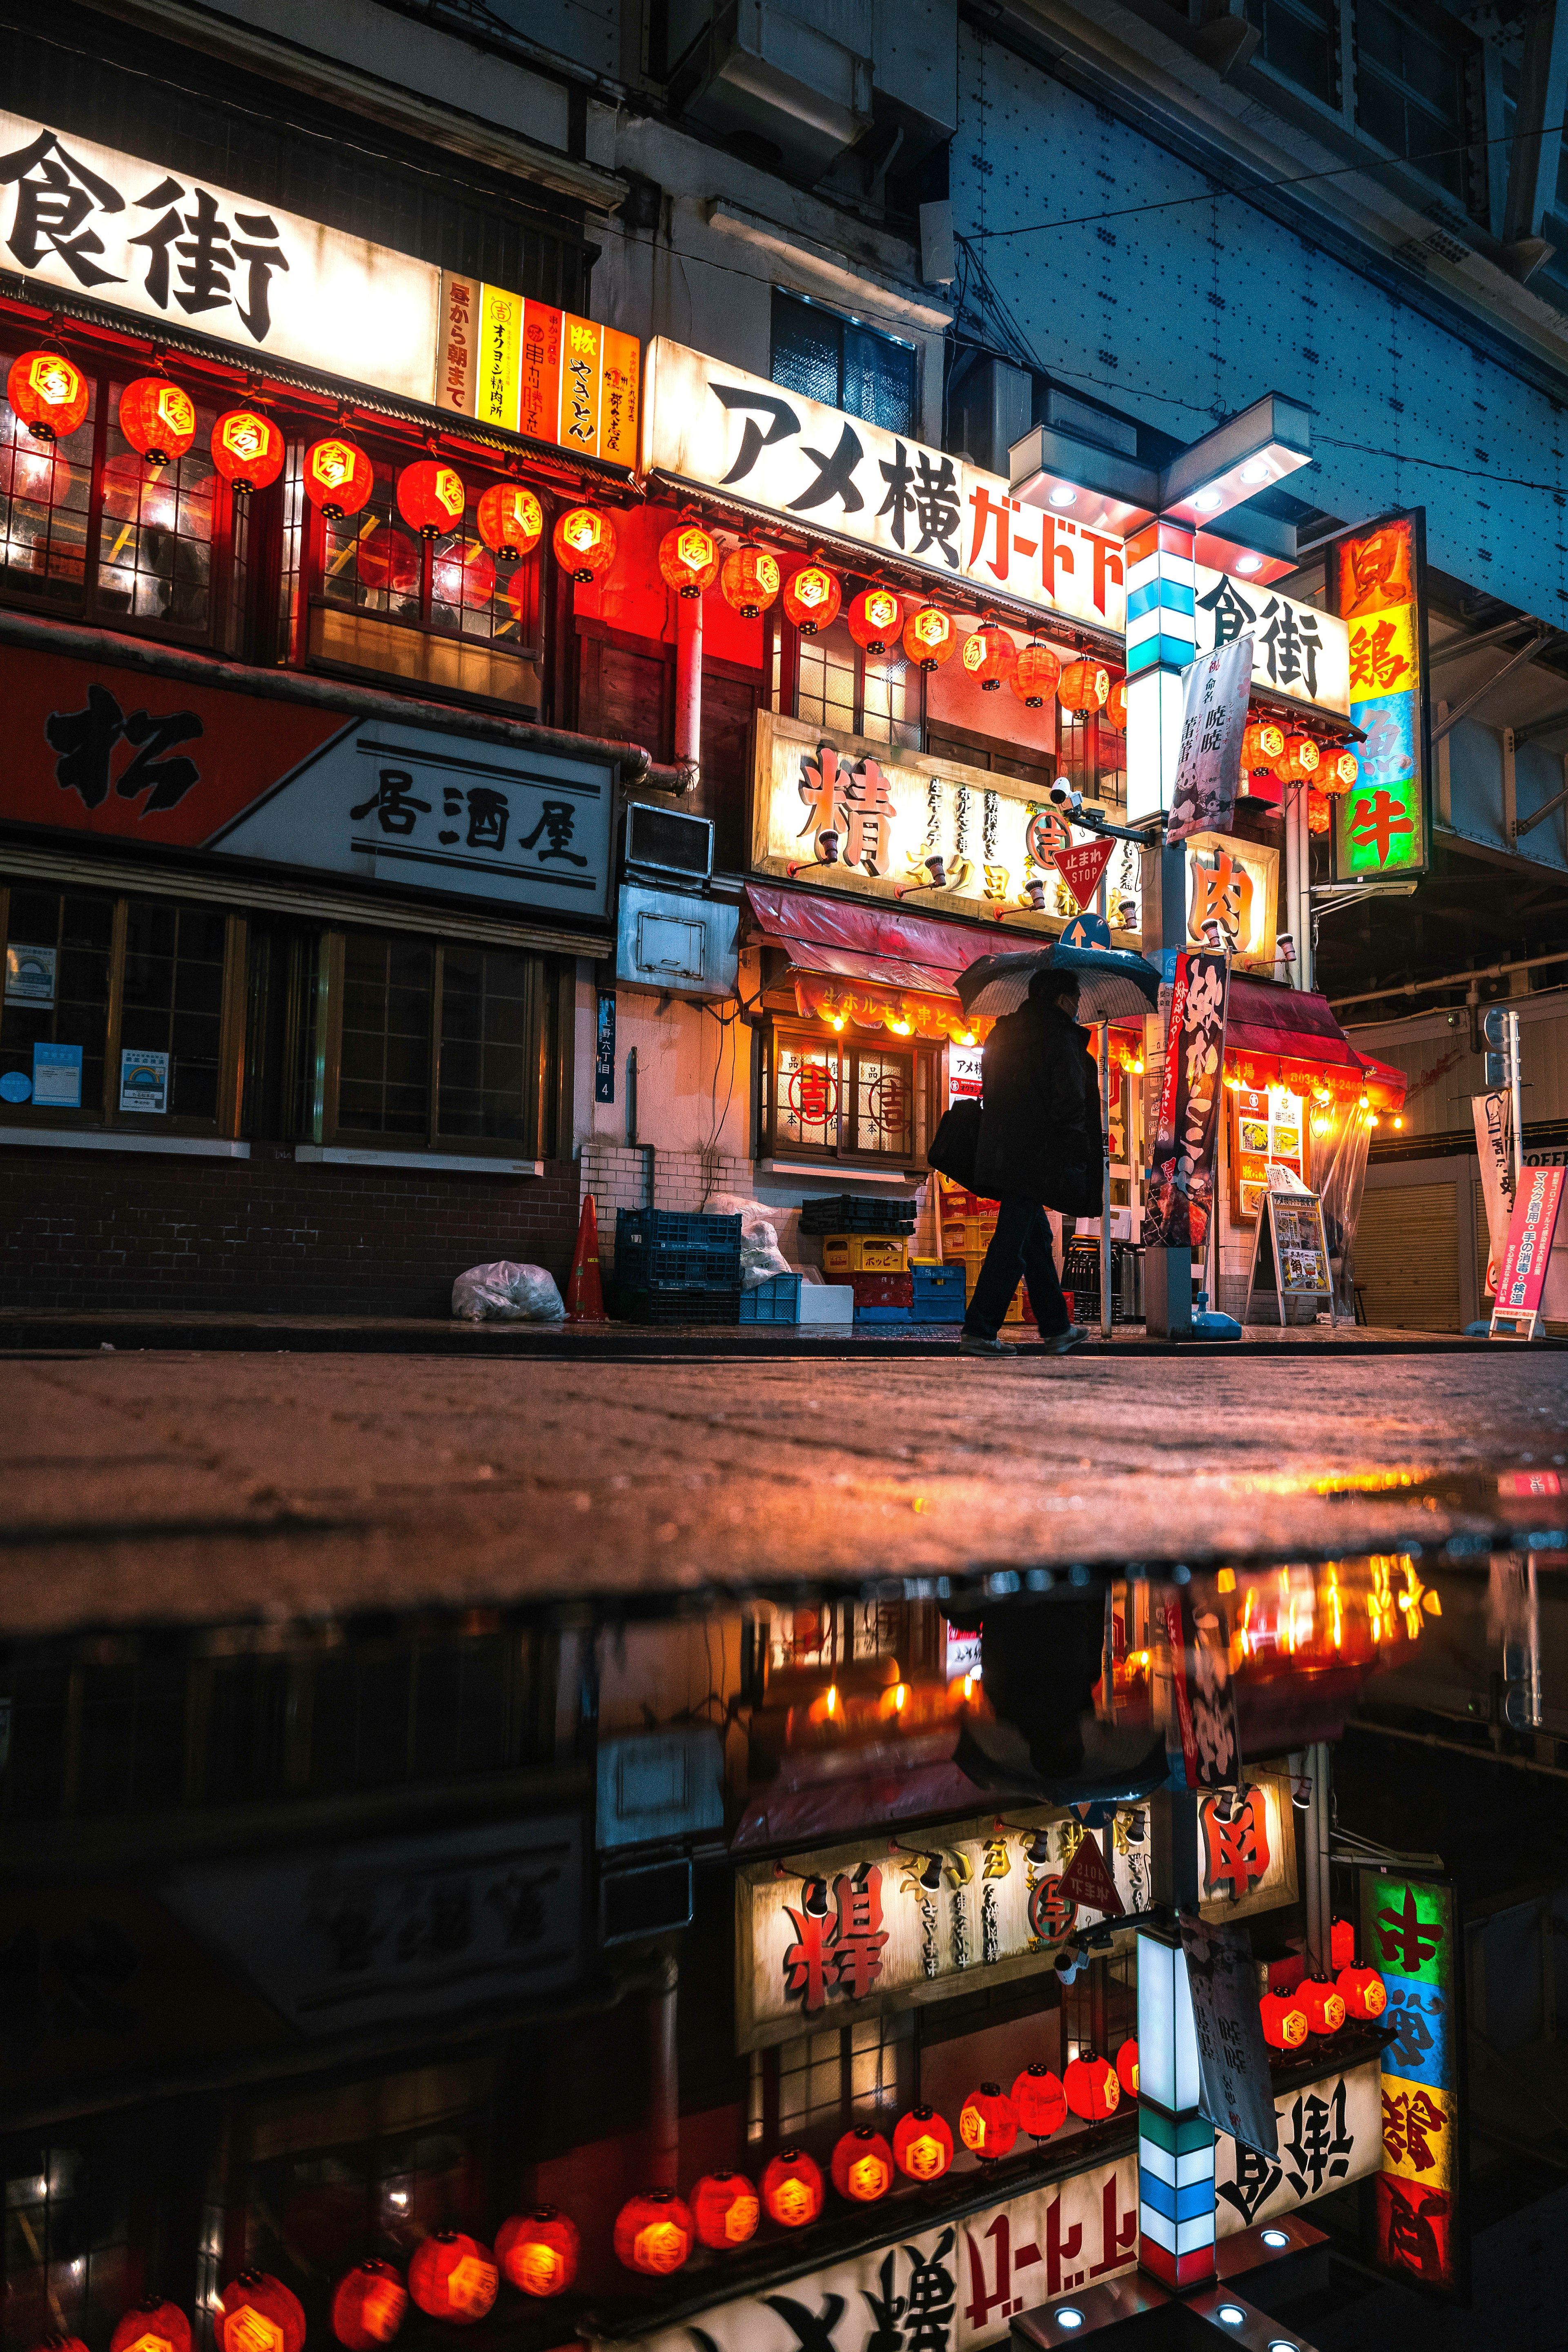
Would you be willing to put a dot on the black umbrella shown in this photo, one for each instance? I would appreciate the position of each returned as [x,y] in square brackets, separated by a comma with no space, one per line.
[1113,985]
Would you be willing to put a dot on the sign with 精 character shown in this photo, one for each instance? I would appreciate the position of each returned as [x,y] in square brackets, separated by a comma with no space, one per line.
[1330,2135]
[954,2286]
[1533,1223]
[1419,2228]
[1375,583]
[851,1931]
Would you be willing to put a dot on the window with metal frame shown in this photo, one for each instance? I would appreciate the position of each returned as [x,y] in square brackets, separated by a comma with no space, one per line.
[845,690]
[844,1097]
[843,364]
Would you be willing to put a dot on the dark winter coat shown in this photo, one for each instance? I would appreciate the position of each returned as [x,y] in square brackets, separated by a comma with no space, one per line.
[1041,1131]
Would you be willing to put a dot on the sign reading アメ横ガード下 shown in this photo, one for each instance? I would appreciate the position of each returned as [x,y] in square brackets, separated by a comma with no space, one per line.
[172,247]
[771,448]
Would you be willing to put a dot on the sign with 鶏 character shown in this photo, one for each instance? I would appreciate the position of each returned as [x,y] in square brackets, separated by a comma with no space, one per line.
[1375,582]
[1297,650]
[1418,2223]
[1330,2135]
[772,449]
[955,2286]
[1181,1185]
[1215,694]
[848,1932]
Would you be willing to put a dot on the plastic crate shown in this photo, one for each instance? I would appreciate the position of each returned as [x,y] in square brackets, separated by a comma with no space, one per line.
[677,1269]
[777,1300]
[882,1289]
[864,1253]
[675,1229]
[883,1315]
[843,1212]
[939,1294]
[680,1306]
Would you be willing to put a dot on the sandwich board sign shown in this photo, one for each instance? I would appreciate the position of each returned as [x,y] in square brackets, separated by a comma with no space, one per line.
[1291,1256]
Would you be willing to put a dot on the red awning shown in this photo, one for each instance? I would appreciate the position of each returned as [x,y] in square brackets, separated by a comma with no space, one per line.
[1293,1023]
[879,945]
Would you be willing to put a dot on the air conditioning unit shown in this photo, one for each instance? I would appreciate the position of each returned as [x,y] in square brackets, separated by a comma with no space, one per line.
[680,945]
[669,841]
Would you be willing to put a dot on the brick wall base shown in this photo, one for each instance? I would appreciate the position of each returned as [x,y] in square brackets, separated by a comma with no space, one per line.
[101,1229]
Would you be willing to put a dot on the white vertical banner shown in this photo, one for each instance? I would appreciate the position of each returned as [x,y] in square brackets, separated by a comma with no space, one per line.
[1493,1149]
[1216,690]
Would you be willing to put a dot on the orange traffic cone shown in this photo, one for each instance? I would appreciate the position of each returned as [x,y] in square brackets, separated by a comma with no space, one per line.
[584,1292]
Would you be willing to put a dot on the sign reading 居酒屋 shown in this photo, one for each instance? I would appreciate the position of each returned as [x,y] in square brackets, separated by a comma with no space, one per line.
[165,763]
[773,449]
[174,248]
[953,2287]
[854,1930]
[1374,583]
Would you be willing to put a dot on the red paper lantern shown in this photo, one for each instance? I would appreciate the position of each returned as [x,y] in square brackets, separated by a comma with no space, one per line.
[537,2251]
[585,543]
[812,598]
[750,580]
[1116,705]
[1321,2000]
[654,2232]
[862,2166]
[1086,685]
[431,497]
[158,419]
[988,2123]
[152,2325]
[922,2144]
[1126,2068]
[464,574]
[1363,1990]
[48,393]
[989,656]
[930,637]
[1034,675]
[247,450]
[387,559]
[256,2312]
[726,2210]
[511,521]
[1301,758]
[875,619]
[1336,774]
[792,2189]
[1262,746]
[338,478]
[368,2305]
[1317,810]
[1284,2021]
[1093,2089]
[1041,2101]
[454,2277]
[688,559]
[1341,1945]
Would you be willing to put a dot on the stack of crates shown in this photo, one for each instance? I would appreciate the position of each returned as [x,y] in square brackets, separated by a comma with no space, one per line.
[1080,1280]
[966,1221]
[876,1268]
[941,1292]
[673,1268]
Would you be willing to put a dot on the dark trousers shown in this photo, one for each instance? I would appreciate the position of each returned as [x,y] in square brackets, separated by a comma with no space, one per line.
[1021,1245]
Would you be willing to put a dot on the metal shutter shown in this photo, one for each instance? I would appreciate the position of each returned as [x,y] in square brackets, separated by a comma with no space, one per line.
[1407,1257]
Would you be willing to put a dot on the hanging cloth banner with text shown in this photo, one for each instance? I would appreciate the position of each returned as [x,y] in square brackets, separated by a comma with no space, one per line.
[1494,1151]
[1181,1188]
[1236,2092]
[1216,690]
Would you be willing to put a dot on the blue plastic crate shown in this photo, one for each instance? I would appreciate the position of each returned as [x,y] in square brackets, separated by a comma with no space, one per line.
[676,1229]
[884,1314]
[777,1300]
[938,1293]
[677,1269]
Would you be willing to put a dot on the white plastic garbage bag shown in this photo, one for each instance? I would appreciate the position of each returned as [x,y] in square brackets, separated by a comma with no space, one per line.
[761,1257]
[507,1293]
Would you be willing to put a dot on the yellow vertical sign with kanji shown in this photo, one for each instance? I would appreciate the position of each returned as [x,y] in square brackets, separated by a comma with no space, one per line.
[620,362]
[496,390]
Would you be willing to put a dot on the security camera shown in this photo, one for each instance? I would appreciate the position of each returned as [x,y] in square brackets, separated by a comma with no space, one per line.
[1063,795]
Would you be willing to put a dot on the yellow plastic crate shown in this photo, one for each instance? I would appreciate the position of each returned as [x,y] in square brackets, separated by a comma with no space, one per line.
[865,1253]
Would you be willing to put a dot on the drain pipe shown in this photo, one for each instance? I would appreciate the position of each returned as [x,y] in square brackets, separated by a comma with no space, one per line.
[1317,1890]
[664,2077]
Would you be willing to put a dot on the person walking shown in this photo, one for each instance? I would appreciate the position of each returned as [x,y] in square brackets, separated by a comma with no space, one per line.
[1040,1147]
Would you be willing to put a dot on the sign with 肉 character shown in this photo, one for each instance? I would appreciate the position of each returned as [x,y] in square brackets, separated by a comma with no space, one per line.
[1246,1849]
[852,1931]
[1419,2226]
[1330,2135]
[954,2286]
[1376,585]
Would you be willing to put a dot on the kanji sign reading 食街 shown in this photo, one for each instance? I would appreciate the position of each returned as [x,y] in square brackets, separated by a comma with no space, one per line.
[1408,1926]
[1180,1187]
[855,1930]
[950,2287]
[173,247]
[1375,583]
[1330,2134]
[772,449]
[860,816]
[1296,649]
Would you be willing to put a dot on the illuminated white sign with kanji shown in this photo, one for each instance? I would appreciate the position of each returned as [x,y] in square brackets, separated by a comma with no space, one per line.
[172,247]
[1297,650]
[852,1931]
[842,811]
[771,449]
[1246,1854]
[952,2287]
[1330,2133]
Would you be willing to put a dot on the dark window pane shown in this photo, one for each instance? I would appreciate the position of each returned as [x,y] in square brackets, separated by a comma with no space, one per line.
[1300,42]
[385,1087]
[878,380]
[74,930]
[807,344]
[493,1008]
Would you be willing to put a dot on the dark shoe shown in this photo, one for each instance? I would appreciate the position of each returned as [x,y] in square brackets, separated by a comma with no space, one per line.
[1056,1343]
[974,1343]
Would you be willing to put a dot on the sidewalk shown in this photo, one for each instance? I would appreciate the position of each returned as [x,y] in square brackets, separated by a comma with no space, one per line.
[70,1329]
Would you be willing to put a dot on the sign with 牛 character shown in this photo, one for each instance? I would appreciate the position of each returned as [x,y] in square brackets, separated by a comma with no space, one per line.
[955,2286]
[1330,2134]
